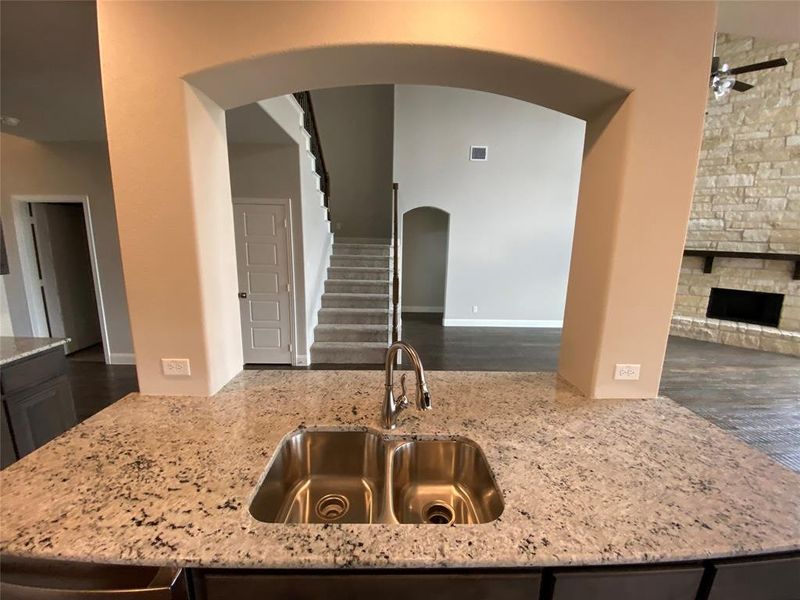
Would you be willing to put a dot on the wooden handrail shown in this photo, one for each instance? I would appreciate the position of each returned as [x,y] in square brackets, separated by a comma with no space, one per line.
[310,124]
[395,270]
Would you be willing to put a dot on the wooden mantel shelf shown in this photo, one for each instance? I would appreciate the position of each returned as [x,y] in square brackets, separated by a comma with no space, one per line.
[710,255]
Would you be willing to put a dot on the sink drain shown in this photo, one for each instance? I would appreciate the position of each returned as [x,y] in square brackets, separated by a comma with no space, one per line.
[438,513]
[332,507]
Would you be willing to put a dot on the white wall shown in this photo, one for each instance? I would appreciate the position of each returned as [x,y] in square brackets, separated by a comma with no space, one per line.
[355,125]
[424,260]
[66,168]
[311,266]
[512,217]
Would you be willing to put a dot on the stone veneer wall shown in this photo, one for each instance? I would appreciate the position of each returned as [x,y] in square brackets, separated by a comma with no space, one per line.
[747,198]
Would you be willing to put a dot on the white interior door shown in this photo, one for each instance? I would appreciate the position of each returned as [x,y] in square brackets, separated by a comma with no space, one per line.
[263,263]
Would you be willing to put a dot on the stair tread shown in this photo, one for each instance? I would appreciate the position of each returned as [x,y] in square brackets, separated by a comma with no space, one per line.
[345,345]
[348,245]
[349,268]
[355,310]
[358,326]
[349,281]
[360,256]
[355,295]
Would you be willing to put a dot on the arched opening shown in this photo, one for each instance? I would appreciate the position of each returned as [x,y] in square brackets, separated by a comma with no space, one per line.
[629,233]
[424,266]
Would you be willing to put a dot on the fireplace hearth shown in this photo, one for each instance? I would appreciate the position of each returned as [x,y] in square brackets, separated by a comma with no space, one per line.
[744,306]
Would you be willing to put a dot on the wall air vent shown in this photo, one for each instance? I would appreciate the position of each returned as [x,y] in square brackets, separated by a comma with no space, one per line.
[479,153]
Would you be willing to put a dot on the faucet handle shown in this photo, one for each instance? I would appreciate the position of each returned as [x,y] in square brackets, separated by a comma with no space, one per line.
[402,401]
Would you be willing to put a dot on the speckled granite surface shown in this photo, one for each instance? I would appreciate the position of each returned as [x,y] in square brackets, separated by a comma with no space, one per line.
[15,348]
[163,480]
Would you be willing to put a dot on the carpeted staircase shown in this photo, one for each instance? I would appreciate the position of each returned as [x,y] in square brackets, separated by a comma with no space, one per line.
[354,325]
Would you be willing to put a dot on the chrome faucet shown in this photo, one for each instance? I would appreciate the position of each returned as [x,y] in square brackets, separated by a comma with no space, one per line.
[391,406]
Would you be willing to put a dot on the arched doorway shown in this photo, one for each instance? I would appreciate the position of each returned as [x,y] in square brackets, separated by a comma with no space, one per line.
[425,243]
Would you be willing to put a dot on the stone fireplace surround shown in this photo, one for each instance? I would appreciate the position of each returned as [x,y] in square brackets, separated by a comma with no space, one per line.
[747,199]
[694,290]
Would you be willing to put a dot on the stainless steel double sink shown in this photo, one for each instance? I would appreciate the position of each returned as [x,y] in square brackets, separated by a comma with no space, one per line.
[339,476]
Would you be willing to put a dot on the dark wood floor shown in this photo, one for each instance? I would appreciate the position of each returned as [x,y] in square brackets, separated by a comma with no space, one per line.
[95,384]
[754,395]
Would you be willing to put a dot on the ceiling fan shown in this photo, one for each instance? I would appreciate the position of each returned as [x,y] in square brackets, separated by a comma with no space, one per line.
[723,78]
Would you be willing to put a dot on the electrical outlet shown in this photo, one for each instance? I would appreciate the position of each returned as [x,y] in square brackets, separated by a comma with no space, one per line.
[474,309]
[627,372]
[178,367]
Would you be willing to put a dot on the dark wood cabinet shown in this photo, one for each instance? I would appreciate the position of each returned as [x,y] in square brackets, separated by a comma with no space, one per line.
[775,577]
[40,414]
[7,452]
[37,403]
[765,579]
[668,583]
[441,585]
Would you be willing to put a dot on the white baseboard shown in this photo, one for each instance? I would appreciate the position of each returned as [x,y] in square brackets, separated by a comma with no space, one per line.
[423,309]
[121,358]
[302,360]
[536,323]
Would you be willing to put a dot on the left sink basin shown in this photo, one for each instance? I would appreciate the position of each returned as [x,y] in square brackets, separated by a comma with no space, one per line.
[324,477]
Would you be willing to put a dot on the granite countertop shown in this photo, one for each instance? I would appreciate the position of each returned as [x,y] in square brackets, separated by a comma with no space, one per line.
[15,348]
[168,480]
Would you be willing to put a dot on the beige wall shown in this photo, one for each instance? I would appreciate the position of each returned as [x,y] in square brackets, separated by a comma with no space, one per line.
[168,152]
[356,125]
[66,168]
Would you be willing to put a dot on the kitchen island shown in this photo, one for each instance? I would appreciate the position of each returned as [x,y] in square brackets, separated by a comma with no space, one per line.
[157,480]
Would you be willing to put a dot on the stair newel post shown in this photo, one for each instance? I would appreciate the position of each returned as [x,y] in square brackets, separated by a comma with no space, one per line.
[395,269]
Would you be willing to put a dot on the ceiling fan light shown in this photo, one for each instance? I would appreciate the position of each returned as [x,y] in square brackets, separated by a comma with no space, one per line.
[721,85]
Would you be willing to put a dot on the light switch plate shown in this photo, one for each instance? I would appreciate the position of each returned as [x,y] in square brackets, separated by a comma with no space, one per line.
[627,372]
[178,367]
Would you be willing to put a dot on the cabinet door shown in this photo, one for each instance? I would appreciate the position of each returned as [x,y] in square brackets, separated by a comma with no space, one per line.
[7,453]
[668,583]
[768,579]
[40,414]
[356,586]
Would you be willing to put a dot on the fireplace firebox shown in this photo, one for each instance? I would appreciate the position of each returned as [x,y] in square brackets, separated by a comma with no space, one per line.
[758,308]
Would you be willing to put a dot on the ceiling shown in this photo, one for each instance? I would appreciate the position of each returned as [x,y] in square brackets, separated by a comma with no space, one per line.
[50,76]
[50,70]
[765,19]
[50,67]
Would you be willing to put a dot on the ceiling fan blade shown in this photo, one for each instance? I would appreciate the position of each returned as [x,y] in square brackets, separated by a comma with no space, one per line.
[715,65]
[741,86]
[768,64]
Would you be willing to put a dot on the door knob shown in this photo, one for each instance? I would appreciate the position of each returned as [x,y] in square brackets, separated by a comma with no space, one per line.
[242,294]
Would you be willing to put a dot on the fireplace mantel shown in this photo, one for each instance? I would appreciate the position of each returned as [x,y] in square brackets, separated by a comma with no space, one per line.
[710,255]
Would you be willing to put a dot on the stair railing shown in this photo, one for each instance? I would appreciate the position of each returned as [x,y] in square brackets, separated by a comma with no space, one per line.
[395,269]
[310,124]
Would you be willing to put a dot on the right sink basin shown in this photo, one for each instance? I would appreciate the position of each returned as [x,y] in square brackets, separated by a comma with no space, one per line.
[443,481]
